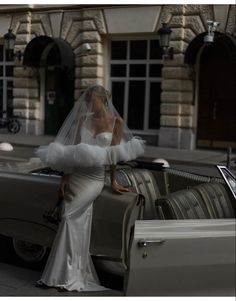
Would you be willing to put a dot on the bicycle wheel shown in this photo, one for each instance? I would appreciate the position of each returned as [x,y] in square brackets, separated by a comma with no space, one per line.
[13,126]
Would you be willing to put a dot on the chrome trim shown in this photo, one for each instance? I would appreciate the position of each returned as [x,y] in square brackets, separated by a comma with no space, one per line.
[144,242]
[221,168]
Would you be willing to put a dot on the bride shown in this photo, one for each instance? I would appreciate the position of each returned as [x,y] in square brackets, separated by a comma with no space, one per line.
[92,136]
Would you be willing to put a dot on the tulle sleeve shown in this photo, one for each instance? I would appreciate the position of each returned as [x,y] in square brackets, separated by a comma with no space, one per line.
[125,151]
[67,158]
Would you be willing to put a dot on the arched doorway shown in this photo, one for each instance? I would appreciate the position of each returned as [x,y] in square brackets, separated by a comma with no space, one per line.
[55,60]
[216,107]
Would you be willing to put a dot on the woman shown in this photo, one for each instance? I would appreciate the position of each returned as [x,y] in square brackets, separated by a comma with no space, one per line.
[92,136]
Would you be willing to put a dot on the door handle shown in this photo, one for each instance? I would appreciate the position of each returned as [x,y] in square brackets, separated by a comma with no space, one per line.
[144,242]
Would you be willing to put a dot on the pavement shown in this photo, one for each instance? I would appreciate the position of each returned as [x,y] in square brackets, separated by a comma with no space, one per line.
[197,156]
[18,281]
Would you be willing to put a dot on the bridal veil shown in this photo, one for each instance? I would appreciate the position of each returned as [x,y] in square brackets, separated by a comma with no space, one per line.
[78,142]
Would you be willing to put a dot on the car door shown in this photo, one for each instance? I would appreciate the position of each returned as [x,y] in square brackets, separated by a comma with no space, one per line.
[182,257]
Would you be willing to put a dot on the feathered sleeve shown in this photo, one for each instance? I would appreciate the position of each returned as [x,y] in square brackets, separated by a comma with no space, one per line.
[67,158]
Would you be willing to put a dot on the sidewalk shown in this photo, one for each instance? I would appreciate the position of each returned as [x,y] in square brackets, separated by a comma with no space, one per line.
[26,140]
[153,152]
[18,281]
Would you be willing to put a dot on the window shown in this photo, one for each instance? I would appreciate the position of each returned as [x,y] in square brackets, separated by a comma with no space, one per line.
[135,74]
[6,82]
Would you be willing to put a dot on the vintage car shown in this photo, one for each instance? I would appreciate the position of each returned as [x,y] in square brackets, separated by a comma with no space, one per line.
[172,234]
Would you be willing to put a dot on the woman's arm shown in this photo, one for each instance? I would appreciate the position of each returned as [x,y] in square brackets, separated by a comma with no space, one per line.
[116,139]
[114,185]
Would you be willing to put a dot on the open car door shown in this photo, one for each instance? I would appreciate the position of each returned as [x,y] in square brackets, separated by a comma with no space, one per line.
[182,257]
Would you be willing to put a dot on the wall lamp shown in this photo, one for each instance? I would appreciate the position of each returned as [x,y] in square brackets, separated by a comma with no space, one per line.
[85,49]
[209,37]
[164,39]
[9,43]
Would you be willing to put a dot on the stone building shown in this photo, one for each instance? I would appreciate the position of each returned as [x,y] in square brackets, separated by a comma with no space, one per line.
[185,102]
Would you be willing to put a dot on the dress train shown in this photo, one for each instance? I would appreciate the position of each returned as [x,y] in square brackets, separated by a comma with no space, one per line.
[69,265]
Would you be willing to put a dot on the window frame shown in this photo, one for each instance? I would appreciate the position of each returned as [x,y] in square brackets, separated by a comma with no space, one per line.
[5,79]
[148,80]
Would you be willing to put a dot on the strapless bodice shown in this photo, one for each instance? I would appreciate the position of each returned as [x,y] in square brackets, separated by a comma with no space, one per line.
[102,139]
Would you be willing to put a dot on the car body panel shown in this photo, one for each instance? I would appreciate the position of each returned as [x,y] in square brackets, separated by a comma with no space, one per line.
[24,200]
[182,257]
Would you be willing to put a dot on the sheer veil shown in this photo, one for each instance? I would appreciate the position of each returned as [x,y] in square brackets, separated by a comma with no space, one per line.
[93,134]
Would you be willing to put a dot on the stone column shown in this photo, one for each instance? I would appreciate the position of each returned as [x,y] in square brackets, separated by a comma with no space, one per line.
[26,94]
[26,100]
[176,108]
[78,28]
[89,68]
[177,98]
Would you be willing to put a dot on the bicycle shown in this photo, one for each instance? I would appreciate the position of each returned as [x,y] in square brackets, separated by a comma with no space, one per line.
[10,122]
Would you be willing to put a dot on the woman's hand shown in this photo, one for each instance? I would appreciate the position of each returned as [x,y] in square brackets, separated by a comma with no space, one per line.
[117,188]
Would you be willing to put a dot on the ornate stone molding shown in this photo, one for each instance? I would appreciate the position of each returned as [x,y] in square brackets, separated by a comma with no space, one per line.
[231,24]
[75,27]
[168,11]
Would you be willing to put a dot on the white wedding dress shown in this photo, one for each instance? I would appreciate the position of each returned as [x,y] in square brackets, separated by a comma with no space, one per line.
[69,265]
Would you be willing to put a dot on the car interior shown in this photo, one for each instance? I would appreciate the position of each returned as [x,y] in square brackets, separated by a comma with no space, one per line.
[156,193]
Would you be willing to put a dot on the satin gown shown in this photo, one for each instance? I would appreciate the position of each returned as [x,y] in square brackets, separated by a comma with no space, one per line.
[69,265]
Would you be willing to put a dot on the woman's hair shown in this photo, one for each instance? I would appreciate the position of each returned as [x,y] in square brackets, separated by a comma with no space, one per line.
[98,90]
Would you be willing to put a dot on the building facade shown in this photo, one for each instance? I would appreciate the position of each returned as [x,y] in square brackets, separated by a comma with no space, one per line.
[188,102]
